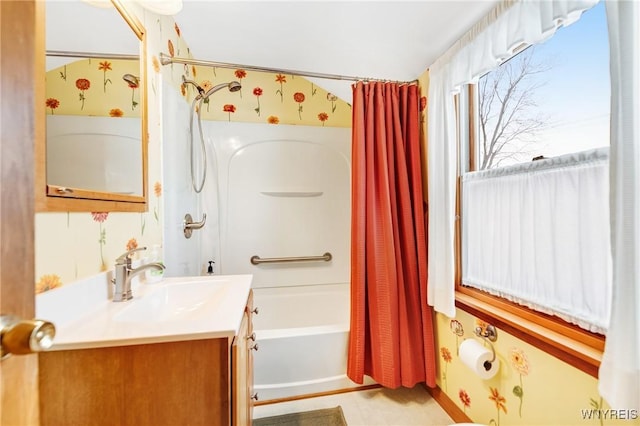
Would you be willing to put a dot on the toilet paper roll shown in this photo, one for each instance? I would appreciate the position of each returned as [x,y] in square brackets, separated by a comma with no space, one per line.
[477,357]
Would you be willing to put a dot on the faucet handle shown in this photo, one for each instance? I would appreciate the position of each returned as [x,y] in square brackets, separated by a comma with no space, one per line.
[125,258]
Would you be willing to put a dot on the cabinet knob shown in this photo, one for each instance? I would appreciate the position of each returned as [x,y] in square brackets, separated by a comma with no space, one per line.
[255,310]
[254,347]
[255,396]
[252,336]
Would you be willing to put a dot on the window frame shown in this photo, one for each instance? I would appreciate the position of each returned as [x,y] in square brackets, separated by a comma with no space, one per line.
[568,342]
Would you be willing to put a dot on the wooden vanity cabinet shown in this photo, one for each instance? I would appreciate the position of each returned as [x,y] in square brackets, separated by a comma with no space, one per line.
[191,382]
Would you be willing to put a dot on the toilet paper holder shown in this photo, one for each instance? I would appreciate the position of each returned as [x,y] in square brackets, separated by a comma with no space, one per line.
[489,334]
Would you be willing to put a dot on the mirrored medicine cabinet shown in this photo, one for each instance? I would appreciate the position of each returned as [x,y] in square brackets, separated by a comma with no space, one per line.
[93,159]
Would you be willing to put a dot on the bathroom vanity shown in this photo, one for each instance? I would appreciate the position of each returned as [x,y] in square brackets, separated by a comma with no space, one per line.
[179,353]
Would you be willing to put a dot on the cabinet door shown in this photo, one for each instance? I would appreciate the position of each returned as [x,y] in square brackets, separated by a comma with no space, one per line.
[252,346]
[240,375]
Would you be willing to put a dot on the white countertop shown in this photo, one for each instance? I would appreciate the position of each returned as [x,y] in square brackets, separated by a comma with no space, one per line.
[174,309]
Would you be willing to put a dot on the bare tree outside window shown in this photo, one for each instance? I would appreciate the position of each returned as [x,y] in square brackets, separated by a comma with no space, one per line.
[510,117]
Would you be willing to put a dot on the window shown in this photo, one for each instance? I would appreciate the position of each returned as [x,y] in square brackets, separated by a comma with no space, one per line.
[548,100]
[535,233]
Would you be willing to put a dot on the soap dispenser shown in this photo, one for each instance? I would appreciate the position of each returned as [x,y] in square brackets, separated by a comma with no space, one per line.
[210,268]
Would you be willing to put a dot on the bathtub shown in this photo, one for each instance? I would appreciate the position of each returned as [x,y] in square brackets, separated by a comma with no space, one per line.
[302,334]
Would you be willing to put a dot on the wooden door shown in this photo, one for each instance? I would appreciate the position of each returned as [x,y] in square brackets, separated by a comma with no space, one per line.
[21,122]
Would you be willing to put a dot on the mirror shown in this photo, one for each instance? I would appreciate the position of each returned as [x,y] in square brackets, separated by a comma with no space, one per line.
[94,153]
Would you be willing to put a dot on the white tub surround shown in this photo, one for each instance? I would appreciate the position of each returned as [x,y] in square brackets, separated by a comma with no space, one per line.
[299,182]
[174,309]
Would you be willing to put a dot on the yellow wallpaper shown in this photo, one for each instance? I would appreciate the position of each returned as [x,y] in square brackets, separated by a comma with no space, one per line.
[94,87]
[264,98]
[268,98]
[70,246]
[531,387]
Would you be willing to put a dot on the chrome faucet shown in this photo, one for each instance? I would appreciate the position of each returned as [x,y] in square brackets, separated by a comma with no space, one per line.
[124,274]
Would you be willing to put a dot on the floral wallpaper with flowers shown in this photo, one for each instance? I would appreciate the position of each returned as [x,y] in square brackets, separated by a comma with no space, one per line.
[265,98]
[95,87]
[530,388]
[269,98]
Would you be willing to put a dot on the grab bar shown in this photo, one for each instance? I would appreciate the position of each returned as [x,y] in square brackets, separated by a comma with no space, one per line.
[256,260]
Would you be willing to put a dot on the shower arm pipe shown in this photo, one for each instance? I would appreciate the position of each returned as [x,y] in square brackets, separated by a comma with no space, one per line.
[92,55]
[256,260]
[166,60]
[214,89]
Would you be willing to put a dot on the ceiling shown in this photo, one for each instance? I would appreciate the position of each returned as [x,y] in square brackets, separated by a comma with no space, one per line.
[395,40]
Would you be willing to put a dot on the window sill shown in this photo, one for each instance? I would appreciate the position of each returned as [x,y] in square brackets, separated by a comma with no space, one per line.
[581,350]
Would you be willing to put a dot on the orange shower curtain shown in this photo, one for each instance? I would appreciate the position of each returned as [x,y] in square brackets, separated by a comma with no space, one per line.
[391,338]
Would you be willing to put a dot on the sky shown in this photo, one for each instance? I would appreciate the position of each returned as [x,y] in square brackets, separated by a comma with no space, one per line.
[576,95]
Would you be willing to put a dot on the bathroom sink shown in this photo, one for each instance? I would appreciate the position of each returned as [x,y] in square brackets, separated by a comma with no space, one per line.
[170,310]
[174,301]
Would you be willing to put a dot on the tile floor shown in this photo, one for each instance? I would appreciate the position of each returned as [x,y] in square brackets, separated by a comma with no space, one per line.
[390,407]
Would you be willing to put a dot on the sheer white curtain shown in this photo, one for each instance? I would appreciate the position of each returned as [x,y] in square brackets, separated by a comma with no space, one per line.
[441,200]
[619,373]
[481,49]
[538,233]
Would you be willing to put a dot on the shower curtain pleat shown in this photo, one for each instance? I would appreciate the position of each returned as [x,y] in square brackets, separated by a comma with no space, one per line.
[391,338]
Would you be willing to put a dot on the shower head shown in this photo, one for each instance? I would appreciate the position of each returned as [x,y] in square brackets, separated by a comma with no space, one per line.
[200,89]
[131,79]
[233,86]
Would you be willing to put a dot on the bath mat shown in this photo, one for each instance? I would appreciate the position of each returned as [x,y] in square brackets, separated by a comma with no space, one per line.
[324,417]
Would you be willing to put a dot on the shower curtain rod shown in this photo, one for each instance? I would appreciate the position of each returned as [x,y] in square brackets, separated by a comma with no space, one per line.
[166,60]
[91,55]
